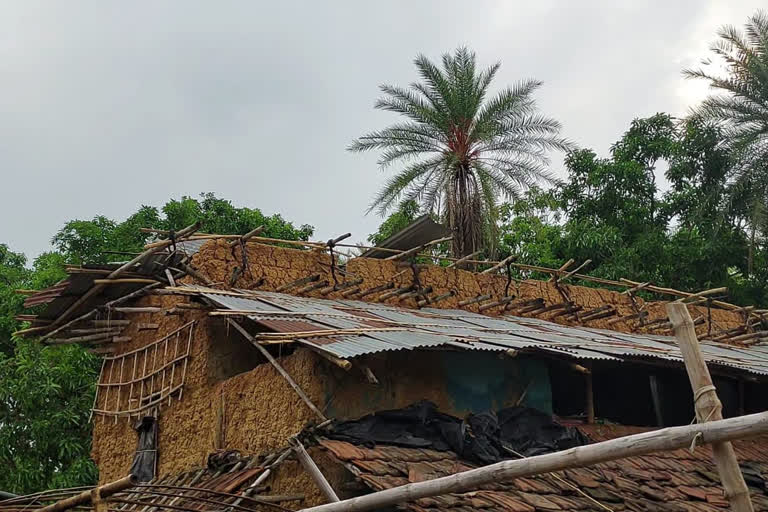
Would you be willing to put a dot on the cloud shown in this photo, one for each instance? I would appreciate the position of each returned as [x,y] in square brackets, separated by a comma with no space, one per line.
[107,106]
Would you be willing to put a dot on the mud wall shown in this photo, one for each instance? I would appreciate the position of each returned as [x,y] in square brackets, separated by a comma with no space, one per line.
[182,425]
[273,266]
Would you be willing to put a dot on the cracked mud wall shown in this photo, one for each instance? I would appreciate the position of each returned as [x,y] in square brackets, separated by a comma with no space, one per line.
[182,425]
[275,266]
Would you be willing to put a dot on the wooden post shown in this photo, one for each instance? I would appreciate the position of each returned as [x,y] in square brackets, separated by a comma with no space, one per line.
[311,468]
[667,439]
[279,368]
[708,406]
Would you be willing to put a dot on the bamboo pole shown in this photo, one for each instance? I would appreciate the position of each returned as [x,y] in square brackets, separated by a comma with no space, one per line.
[123,268]
[708,406]
[508,259]
[127,280]
[84,497]
[279,368]
[311,468]
[703,293]
[574,271]
[247,236]
[562,268]
[667,439]
[415,250]
[463,260]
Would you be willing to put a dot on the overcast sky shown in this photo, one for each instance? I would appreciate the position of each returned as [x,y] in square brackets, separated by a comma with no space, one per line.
[108,105]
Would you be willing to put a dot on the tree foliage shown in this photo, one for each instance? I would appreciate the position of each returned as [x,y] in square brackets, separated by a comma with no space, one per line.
[101,240]
[611,211]
[458,149]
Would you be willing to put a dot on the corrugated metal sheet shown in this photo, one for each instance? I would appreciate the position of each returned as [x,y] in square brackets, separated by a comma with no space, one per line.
[431,327]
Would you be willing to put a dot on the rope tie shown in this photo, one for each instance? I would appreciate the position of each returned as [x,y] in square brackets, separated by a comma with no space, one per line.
[700,392]
[331,245]
[696,437]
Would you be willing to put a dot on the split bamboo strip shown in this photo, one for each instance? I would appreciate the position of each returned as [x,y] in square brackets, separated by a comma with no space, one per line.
[708,406]
[667,439]
[279,368]
[110,323]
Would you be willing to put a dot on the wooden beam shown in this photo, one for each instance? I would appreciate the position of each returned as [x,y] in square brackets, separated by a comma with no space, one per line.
[279,368]
[314,472]
[708,406]
[667,439]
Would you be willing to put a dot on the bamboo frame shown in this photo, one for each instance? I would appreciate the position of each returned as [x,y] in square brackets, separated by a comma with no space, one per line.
[144,380]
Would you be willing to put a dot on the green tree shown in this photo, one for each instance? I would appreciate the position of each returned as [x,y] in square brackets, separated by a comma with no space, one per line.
[460,150]
[45,392]
[741,109]
[102,240]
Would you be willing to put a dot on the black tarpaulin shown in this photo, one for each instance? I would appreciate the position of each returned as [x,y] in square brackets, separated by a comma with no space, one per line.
[145,460]
[485,438]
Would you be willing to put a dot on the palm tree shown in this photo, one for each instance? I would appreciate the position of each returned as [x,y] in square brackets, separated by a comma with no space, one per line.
[458,150]
[741,109]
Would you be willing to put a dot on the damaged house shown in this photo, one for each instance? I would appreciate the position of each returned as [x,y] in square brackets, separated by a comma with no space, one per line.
[235,369]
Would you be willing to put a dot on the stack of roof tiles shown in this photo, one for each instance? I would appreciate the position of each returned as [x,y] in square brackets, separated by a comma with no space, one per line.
[668,481]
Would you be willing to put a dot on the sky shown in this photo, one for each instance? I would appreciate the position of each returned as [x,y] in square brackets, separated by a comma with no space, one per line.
[105,106]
